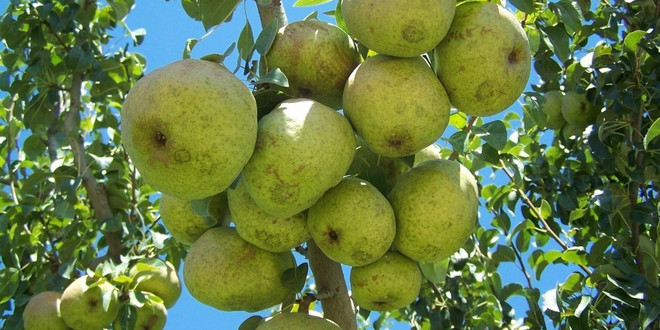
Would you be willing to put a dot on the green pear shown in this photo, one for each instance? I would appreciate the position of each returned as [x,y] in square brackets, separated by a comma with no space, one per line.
[82,303]
[152,315]
[316,57]
[265,231]
[572,131]
[390,283]
[431,152]
[396,104]
[398,28]
[303,149]
[224,271]
[297,321]
[42,312]
[183,223]
[353,223]
[158,277]
[577,109]
[484,62]
[435,204]
[552,108]
[189,128]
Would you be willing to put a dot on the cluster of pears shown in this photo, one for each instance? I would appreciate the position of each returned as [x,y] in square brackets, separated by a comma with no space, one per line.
[569,111]
[304,170]
[94,302]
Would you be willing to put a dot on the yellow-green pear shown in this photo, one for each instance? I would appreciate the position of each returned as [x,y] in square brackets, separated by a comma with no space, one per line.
[398,28]
[224,271]
[435,204]
[353,223]
[429,153]
[303,149]
[297,321]
[42,312]
[152,315]
[268,232]
[397,105]
[392,282]
[572,131]
[577,109]
[189,128]
[552,108]
[89,303]
[183,223]
[484,62]
[316,57]
[158,277]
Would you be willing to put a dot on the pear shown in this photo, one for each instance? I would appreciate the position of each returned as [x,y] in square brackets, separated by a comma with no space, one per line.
[183,223]
[552,108]
[265,231]
[42,312]
[572,131]
[152,315]
[82,303]
[316,57]
[353,223]
[398,28]
[303,149]
[224,271]
[297,321]
[396,104]
[484,62]
[189,128]
[431,152]
[577,110]
[158,277]
[435,204]
[392,282]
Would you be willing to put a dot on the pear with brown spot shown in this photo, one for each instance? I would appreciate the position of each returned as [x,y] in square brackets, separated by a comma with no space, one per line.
[353,223]
[398,28]
[189,128]
[397,105]
[484,62]
[86,304]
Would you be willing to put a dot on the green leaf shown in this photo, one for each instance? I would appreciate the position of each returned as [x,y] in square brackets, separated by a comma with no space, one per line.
[559,40]
[631,42]
[526,6]
[305,3]
[275,76]
[214,12]
[584,303]
[294,278]
[494,133]
[8,283]
[202,207]
[192,9]
[266,37]
[568,13]
[187,49]
[653,132]
[250,323]
[435,272]
[504,253]
[546,209]
[246,42]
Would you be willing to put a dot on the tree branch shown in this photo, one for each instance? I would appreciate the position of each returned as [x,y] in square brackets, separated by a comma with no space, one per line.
[539,215]
[331,286]
[274,10]
[96,192]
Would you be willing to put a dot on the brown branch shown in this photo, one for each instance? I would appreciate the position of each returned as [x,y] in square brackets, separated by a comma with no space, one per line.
[632,194]
[96,192]
[539,215]
[274,10]
[330,282]
[10,142]
[467,128]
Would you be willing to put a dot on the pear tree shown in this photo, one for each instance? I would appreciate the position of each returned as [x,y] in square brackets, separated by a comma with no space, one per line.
[429,164]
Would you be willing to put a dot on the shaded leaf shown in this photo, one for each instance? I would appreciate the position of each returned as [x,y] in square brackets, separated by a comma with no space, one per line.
[251,323]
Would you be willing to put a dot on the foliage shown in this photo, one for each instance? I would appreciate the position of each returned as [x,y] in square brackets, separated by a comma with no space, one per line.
[71,199]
